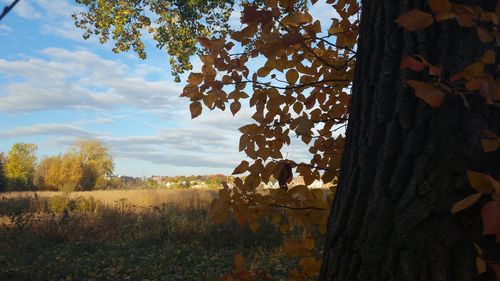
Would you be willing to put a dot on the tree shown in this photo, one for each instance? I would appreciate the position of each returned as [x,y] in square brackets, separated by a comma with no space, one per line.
[63,172]
[20,166]
[405,161]
[3,180]
[174,24]
[408,165]
[96,162]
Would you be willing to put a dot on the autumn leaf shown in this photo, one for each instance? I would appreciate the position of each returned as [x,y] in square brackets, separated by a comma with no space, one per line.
[415,20]
[285,176]
[235,107]
[195,78]
[490,214]
[412,63]
[465,203]
[427,92]
[489,57]
[484,35]
[291,76]
[241,168]
[479,182]
[440,6]
[195,109]
[481,265]
[310,266]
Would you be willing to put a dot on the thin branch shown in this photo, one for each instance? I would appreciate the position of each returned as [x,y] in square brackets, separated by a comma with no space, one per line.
[298,208]
[295,86]
[7,9]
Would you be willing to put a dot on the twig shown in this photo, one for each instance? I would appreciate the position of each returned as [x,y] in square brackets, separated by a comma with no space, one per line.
[7,9]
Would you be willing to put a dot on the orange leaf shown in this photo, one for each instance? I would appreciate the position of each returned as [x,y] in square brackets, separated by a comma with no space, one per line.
[415,20]
[465,203]
[195,109]
[440,6]
[412,63]
[491,218]
[476,85]
[445,16]
[427,92]
[479,182]
[481,265]
[490,145]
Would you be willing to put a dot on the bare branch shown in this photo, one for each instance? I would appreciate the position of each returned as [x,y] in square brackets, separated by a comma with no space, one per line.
[7,9]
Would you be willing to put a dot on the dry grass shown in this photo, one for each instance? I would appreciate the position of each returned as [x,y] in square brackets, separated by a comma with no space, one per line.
[137,197]
[126,235]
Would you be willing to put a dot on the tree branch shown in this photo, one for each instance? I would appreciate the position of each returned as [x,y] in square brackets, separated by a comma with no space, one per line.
[7,9]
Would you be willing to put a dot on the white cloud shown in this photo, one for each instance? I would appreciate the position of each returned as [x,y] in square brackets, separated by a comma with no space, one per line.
[80,80]
[179,147]
[25,9]
[5,29]
[46,129]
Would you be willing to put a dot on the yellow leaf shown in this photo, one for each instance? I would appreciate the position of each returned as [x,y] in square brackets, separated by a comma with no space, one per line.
[440,6]
[465,203]
[415,20]
[479,182]
[481,265]
[291,76]
[490,145]
[484,35]
[195,109]
[284,228]
[489,57]
[427,92]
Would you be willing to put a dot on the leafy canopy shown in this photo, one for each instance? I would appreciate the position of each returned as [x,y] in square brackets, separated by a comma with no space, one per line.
[174,25]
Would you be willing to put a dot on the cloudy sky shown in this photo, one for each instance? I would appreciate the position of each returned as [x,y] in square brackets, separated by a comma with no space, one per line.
[56,87]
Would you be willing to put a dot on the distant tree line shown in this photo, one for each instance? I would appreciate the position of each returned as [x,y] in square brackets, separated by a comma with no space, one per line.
[87,165]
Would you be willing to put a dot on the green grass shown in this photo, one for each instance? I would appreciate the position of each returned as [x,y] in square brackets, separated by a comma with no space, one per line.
[80,238]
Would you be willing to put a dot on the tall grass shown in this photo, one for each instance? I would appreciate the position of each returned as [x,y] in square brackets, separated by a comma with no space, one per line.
[87,235]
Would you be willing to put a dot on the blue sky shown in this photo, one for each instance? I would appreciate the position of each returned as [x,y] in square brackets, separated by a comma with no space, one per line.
[56,87]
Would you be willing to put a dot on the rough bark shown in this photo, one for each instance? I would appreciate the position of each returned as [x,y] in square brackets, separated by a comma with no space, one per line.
[405,162]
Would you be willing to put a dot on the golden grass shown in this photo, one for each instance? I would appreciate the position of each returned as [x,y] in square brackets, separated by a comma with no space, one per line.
[138,197]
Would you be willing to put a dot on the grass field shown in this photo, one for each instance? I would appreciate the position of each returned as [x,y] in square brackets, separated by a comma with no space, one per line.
[127,235]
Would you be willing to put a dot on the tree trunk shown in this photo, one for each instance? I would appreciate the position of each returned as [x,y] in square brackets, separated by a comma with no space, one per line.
[405,162]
